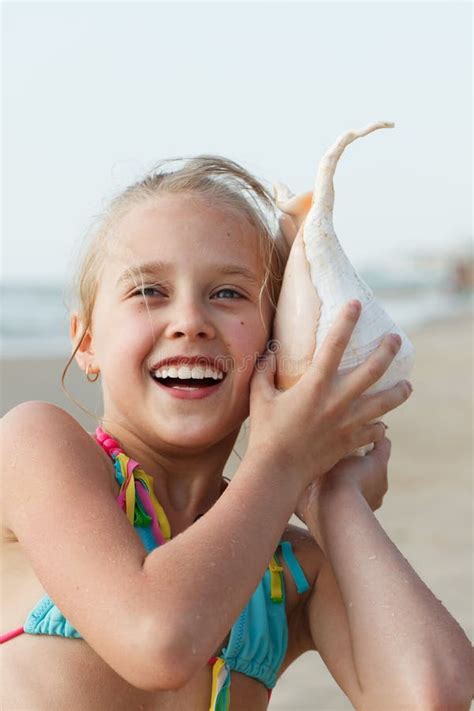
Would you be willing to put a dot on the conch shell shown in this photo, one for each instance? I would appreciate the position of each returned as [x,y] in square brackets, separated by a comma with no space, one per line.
[319,279]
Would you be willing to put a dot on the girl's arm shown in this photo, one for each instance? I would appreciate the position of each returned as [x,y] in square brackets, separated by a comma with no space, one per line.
[156,618]
[388,642]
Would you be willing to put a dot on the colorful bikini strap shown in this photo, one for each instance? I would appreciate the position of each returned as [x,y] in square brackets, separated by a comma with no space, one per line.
[136,496]
[301,582]
[108,443]
[276,580]
[220,690]
[10,635]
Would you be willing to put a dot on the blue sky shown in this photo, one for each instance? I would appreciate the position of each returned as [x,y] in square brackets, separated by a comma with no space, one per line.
[95,93]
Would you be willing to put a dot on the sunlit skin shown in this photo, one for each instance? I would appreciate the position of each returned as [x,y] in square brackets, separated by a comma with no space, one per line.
[191,308]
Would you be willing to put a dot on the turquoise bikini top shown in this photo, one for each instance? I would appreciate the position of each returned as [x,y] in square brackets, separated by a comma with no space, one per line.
[258,639]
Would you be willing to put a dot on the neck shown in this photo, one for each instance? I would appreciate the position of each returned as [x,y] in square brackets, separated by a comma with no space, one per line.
[186,482]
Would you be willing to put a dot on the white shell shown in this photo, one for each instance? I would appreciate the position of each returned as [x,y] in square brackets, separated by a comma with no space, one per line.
[335,280]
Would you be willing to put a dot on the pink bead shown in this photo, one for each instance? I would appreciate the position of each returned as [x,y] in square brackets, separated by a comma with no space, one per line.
[110,445]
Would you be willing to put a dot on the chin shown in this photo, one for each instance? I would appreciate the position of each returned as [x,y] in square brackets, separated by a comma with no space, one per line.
[199,438]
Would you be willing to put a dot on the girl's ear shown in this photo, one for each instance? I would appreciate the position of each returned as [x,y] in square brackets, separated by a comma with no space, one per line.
[84,351]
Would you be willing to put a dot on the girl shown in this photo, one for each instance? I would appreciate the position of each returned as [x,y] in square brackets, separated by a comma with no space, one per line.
[202,592]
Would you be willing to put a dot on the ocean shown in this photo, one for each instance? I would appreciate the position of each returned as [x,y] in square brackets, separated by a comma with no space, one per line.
[34,319]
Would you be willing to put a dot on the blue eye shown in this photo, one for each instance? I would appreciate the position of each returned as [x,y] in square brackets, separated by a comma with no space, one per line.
[142,291]
[230,291]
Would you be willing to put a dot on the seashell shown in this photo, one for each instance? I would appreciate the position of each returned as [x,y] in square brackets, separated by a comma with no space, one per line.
[319,279]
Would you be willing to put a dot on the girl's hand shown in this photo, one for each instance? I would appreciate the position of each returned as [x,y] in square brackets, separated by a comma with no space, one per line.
[324,416]
[368,474]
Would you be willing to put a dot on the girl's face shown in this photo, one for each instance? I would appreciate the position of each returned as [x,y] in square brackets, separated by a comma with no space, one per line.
[198,266]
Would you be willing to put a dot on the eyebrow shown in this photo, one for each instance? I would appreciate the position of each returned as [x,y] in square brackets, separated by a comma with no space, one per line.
[151,269]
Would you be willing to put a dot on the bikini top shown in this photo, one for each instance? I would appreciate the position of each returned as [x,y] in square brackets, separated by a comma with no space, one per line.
[259,637]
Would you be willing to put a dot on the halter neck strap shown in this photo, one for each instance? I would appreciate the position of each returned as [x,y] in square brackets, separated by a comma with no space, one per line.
[108,443]
[136,496]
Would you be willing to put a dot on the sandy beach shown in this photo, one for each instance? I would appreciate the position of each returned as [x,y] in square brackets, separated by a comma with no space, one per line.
[427,511]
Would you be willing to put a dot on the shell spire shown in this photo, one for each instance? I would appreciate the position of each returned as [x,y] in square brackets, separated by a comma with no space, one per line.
[319,279]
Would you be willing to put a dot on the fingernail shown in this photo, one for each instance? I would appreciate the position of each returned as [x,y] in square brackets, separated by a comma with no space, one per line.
[410,386]
[396,339]
[355,306]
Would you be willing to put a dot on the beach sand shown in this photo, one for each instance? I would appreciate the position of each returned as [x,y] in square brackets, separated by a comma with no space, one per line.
[427,511]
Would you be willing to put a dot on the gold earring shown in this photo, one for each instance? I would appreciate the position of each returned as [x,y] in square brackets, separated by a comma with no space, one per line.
[92,380]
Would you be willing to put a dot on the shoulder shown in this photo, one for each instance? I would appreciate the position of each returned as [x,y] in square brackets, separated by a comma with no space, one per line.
[36,417]
[42,426]
[34,433]
[35,414]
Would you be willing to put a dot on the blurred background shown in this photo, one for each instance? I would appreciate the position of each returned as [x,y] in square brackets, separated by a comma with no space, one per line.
[94,94]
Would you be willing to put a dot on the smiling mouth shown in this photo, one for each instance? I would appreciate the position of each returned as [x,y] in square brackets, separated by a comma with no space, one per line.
[188,383]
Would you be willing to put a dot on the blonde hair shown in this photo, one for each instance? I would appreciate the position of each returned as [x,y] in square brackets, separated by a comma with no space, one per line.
[217,179]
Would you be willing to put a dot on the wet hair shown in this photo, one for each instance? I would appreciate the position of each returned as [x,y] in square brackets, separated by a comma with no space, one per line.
[218,180]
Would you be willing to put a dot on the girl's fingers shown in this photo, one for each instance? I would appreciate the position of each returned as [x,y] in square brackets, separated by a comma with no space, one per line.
[382,449]
[372,407]
[263,378]
[368,434]
[366,374]
[328,356]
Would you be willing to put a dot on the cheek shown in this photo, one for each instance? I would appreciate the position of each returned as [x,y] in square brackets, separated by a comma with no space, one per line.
[124,340]
[246,341]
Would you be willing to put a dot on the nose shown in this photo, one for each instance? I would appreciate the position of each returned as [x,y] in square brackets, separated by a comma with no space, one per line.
[189,319]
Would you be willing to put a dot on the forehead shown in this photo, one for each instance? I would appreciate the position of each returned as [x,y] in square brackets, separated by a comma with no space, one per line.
[183,229]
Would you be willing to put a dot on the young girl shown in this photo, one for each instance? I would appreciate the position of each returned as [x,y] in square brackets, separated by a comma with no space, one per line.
[201,595]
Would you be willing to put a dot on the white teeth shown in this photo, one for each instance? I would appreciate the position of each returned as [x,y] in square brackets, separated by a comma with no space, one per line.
[184,372]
